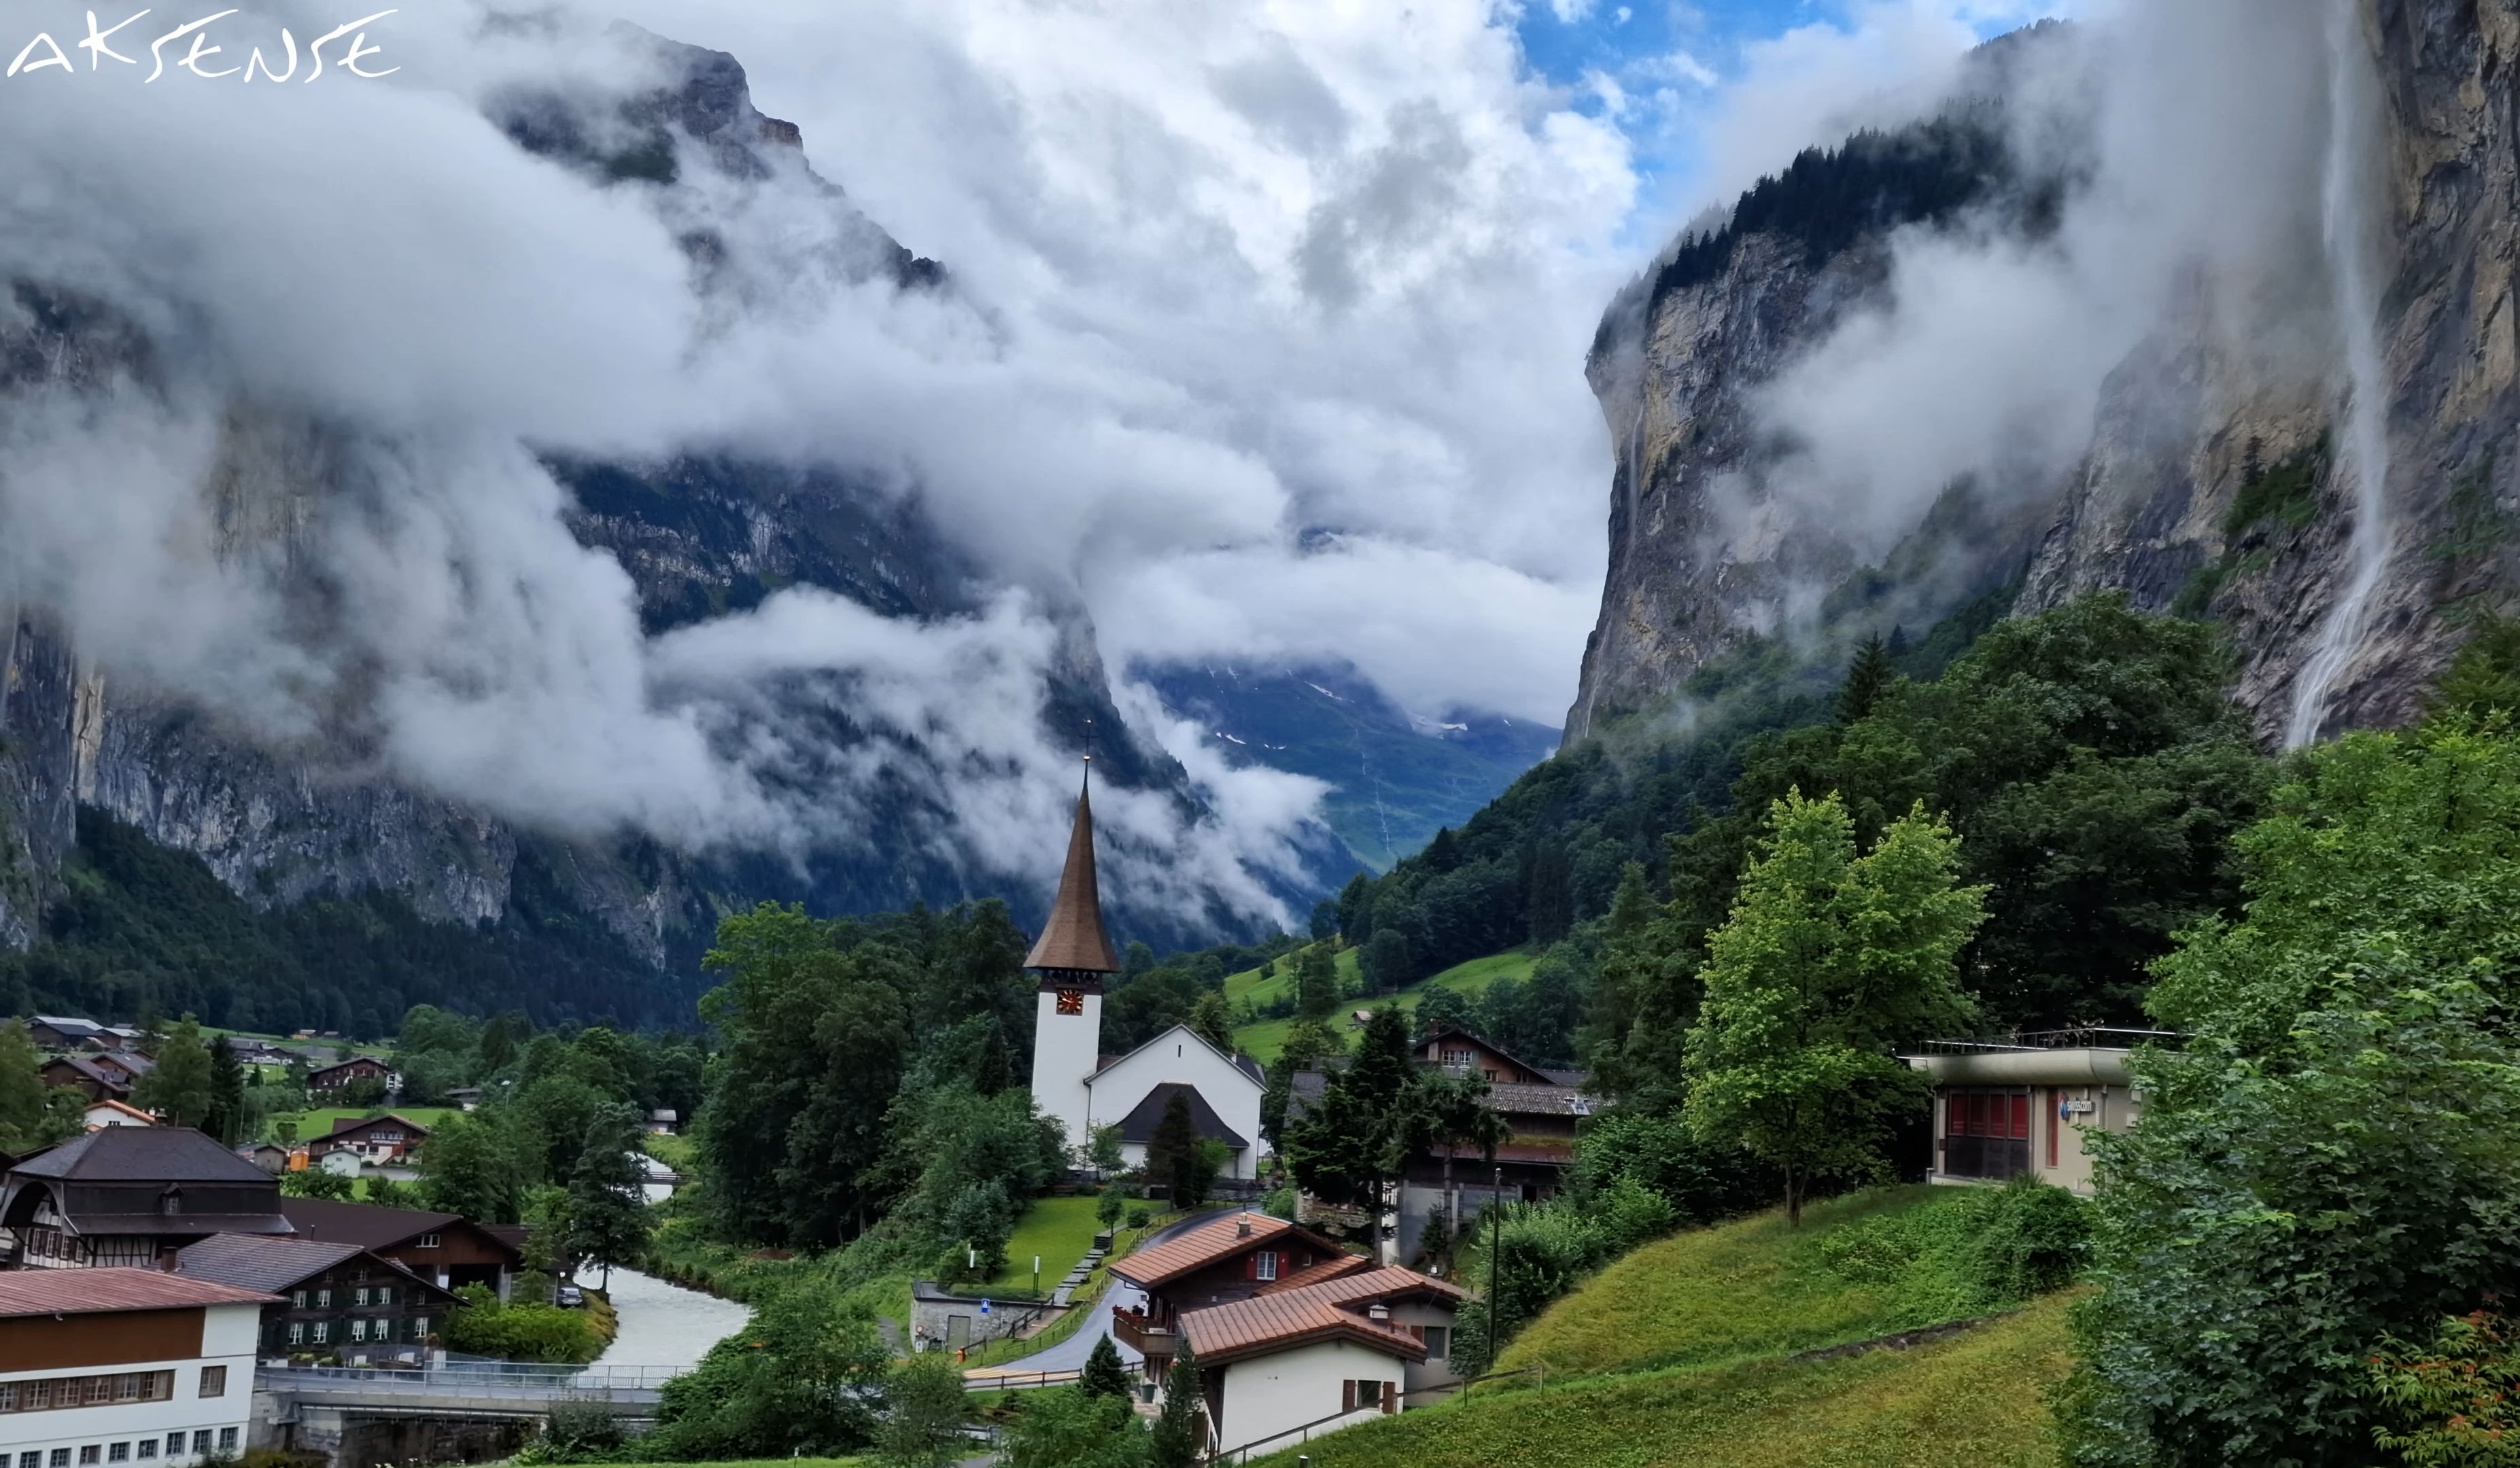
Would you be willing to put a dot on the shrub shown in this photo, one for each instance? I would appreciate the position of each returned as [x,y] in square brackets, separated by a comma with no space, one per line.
[1138,1215]
[517,1331]
[1976,1251]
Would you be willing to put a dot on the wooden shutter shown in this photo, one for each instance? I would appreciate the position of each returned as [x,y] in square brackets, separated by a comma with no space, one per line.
[1251,1264]
[1390,1398]
[2021,1117]
[1347,1396]
[2055,1103]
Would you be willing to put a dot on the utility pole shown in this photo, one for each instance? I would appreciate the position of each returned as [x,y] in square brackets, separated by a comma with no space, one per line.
[1495,1257]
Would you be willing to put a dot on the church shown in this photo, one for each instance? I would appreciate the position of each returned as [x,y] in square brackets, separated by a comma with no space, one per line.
[1084,1089]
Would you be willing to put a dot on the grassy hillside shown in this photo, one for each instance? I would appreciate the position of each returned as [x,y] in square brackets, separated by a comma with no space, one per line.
[1736,1291]
[1264,1039]
[1682,1353]
[1973,1399]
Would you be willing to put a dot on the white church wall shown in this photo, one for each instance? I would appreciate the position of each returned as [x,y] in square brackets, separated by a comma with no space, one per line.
[1178,1055]
[1065,1049]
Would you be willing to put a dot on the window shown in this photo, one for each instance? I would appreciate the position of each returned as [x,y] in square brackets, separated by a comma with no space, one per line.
[118,1453]
[419,1327]
[358,1330]
[148,1448]
[297,1300]
[214,1381]
[362,1297]
[425,1241]
[101,1389]
[174,1444]
[296,1332]
[61,1458]
[1265,1266]
[30,1461]
[1986,1134]
[385,1294]
[322,1299]
[202,1440]
[1364,1396]
[227,1439]
[90,1453]
[323,1331]
[1439,1342]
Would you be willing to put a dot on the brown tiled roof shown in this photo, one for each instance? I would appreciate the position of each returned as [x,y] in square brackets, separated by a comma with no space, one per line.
[368,1225]
[1321,1273]
[1073,940]
[277,1264]
[1277,1320]
[87,1292]
[1206,1244]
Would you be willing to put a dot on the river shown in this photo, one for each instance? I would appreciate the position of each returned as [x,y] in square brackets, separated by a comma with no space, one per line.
[665,1325]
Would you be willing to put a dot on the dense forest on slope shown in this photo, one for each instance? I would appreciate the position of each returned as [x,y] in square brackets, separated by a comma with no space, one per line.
[2087,757]
[146,929]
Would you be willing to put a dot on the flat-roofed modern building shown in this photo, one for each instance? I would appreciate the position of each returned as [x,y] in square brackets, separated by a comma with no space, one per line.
[113,1367]
[2010,1110]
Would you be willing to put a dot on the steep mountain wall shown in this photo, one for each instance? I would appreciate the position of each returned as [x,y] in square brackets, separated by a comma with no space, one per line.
[280,819]
[2210,482]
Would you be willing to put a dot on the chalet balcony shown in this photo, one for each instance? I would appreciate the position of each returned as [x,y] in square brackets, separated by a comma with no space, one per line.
[1130,1327]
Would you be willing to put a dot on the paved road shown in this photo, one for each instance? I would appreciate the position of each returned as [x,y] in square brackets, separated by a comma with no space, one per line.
[665,1325]
[1070,1354]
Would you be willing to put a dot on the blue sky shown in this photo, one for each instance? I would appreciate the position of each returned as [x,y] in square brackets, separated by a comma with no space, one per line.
[1673,60]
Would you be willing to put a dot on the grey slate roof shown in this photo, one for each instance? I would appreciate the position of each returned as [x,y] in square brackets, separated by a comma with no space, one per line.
[143,1155]
[253,1263]
[1139,1124]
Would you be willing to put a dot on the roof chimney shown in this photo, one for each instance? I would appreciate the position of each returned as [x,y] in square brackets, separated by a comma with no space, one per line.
[1242,1224]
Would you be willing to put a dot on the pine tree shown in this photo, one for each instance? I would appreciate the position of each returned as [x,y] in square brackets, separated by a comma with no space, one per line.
[608,1214]
[1177,1157]
[1212,1021]
[21,1090]
[1868,677]
[1103,1375]
[226,1118]
[1369,1121]
[1317,982]
[179,1086]
[1181,1430]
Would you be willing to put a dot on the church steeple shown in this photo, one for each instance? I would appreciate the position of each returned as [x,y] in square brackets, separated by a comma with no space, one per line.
[1073,942]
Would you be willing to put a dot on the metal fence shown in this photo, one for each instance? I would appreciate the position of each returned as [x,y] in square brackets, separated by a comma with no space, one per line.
[500,1378]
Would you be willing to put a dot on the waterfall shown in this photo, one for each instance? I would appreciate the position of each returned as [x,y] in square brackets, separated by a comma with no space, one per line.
[2346,227]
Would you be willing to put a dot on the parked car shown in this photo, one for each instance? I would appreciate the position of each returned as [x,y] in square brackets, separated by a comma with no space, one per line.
[570,1296]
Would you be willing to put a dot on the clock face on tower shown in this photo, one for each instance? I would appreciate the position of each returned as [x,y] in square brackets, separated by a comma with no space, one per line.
[1071,1001]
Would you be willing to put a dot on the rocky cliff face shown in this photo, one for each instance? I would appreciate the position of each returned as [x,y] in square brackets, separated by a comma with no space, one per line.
[2209,484]
[280,820]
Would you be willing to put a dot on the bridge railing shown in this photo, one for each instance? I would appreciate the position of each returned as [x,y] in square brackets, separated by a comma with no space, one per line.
[508,1378]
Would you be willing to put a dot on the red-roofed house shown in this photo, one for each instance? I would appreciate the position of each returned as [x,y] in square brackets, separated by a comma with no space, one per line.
[1234,1258]
[1317,1358]
[124,1366]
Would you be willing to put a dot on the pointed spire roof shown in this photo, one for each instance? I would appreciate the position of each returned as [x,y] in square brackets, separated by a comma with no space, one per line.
[1073,940]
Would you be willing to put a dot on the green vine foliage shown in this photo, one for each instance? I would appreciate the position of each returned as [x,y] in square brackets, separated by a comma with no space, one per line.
[2453,1400]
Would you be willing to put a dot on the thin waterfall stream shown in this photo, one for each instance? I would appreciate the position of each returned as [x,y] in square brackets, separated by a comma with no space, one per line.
[2347,225]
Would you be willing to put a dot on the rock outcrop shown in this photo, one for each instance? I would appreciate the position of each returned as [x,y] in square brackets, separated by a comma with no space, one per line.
[2209,484]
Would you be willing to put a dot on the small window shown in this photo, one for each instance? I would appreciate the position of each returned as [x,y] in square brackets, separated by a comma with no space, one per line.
[118,1453]
[358,1330]
[1364,1395]
[61,1458]
[323,1331]
[90,1453]
[101,1388]
[1439,1342]
[174,1444]
[202,1440]
[214,1381]
[385,1294]
[362,1297]
[31,1459]
[148,1448]
[425,1241]
[227,1439]
[1267,1265]
[297,1300]
[296,1332]
[419,1327]
[322,1299]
